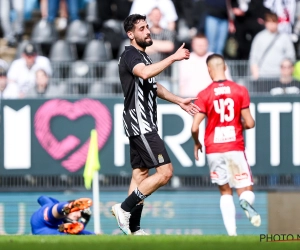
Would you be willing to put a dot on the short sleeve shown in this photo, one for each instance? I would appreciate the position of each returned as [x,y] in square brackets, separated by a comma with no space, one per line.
[246,99]
[132,58]
[200,102]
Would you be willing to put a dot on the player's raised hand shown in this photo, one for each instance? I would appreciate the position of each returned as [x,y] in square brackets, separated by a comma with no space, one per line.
[181,53]
[187,105]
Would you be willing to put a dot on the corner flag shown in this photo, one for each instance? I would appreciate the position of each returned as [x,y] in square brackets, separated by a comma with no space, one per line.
[92,163]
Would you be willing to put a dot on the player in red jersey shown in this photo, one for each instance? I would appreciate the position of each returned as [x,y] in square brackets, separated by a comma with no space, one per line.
[226,106]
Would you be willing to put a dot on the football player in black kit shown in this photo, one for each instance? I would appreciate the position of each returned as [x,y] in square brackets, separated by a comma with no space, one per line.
[147,149]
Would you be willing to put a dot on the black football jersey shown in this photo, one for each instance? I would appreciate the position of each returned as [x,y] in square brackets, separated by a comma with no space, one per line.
[139,115]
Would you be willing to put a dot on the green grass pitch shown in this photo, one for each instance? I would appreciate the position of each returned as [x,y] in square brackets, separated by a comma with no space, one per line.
[153,242]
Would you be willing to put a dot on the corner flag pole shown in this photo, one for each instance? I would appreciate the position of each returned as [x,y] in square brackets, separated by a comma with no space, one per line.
[91,175]
[96,202]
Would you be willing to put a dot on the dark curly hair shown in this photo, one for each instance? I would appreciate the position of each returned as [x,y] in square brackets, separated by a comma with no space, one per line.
[131,20]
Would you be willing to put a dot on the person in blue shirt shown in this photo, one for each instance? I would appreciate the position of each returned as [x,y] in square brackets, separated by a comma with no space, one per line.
[61,218]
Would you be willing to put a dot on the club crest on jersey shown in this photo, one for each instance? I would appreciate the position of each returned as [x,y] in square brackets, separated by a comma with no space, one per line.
[160,158]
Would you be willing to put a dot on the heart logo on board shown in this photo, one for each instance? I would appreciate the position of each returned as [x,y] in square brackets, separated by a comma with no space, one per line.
[60,149]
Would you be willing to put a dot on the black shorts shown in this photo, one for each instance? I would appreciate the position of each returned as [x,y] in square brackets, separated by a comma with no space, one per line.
[148,151]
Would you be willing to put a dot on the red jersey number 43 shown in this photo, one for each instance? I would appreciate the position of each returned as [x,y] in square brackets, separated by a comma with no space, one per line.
[224,133]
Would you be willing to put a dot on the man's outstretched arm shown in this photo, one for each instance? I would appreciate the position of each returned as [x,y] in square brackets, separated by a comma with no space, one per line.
[57,210]
[147,71]
[185,103]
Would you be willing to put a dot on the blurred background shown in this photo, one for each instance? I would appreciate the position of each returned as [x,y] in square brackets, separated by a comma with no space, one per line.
[59,80]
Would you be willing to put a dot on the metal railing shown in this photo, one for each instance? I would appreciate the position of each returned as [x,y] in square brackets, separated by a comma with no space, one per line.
[49,183]
[102,79]
[93,79]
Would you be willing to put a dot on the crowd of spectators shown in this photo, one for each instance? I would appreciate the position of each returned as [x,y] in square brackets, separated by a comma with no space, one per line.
[265,33]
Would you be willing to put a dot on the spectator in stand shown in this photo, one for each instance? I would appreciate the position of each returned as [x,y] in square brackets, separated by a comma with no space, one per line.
[269,48]
[192,12]
[22,71]
[248,21]
[54,6]
[218,22]
[163,39]
[169,15]
[285,10]
[7,90]
[285,84]
[43,87]
[13,31]
[193,74]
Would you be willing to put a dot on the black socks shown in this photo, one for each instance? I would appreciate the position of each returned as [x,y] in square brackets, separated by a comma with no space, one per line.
[132,200]
[135,218]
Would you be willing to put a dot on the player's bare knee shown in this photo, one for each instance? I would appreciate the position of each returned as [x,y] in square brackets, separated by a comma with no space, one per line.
[225,189]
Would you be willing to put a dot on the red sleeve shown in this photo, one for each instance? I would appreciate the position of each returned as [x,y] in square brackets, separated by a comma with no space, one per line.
[246,99]
[200,102]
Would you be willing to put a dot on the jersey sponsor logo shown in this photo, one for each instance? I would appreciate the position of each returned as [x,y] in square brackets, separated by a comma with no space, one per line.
[214,175]
[160,158]
[224,134]
[222,90]
[46,214]
[241,176]
[152,80]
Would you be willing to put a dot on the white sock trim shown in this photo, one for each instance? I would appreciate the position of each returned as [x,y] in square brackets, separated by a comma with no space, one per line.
[249,196]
